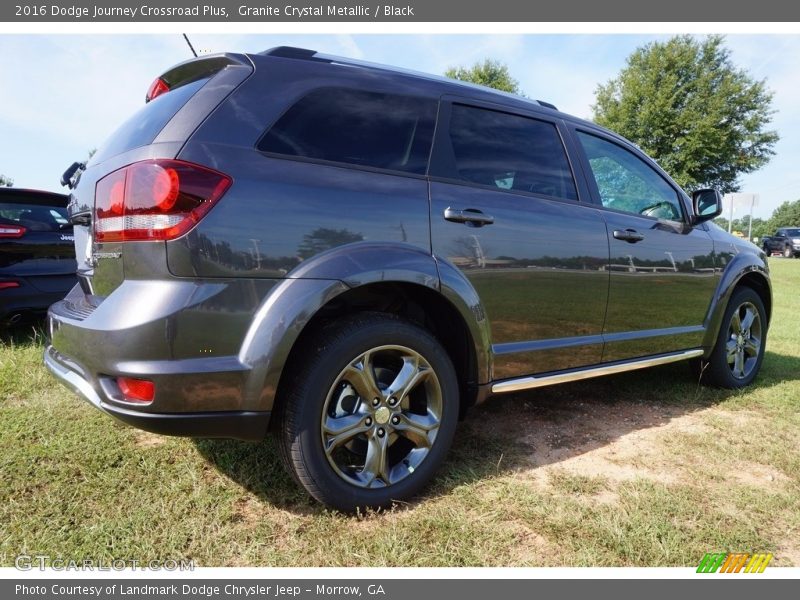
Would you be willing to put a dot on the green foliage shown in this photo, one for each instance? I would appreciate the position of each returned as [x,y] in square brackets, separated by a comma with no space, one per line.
[324,238]
[491,73]
[686,104]
[6,181]
[786,215]
[761,227]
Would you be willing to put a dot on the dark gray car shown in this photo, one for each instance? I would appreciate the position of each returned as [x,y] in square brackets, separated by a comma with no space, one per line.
[351,255]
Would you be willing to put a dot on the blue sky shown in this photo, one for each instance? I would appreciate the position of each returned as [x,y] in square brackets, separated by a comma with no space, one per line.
[64,94]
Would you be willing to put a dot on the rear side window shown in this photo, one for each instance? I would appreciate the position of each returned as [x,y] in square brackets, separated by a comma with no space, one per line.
[34,217]
[509,152]
[355,127]
[143,127]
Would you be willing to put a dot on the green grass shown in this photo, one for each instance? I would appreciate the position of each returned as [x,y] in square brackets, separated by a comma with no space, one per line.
[640,469]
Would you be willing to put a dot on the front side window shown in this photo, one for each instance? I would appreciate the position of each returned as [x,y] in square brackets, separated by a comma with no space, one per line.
[369,129]
[627,183]
[509,152]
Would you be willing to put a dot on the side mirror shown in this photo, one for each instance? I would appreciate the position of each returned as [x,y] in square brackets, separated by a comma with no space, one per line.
[706,204]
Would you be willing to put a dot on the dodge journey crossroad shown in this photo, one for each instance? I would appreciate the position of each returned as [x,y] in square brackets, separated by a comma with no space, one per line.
[349,256]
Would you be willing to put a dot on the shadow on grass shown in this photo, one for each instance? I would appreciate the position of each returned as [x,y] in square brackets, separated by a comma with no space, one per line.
[31,331]
[520,431]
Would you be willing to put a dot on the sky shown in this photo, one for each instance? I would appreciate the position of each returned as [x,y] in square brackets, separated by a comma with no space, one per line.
[63,95]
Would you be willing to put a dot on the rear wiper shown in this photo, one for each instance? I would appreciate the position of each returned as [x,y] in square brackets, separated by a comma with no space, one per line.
[71,175]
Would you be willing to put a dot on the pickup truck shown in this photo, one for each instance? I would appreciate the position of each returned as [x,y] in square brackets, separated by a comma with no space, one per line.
[786,241]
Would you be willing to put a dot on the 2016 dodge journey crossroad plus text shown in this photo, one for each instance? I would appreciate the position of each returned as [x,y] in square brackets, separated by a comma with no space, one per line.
[351,255]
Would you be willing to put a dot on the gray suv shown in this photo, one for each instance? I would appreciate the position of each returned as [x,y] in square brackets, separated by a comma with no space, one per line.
[351,255]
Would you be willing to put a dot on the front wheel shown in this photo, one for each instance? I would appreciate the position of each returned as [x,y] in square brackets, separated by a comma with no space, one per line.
[369,412]
[739,350]
[788,252]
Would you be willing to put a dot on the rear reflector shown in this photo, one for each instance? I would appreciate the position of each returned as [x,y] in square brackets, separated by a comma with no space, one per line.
[154,200]
[12,231]
[136,390]
[158,87]
[4,285]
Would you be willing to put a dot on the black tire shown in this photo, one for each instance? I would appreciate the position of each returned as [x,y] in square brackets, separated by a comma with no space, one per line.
[718,369]
[322,388]
[788,252]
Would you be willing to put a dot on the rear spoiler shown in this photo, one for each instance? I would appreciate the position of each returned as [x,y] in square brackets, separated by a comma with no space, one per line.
[194,69]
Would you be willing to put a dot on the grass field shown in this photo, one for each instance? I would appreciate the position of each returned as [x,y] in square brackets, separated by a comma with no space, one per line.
[642,469]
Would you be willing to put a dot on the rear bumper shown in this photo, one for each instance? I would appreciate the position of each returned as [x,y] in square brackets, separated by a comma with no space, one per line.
[243,425]
[28,299]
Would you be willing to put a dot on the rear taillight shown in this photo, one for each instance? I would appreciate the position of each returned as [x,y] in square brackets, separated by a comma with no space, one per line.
[5,285]
[12,231]
[136,390]
[154,200]
[158,87]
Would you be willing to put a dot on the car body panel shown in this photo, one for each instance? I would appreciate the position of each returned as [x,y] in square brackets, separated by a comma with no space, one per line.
[538,270]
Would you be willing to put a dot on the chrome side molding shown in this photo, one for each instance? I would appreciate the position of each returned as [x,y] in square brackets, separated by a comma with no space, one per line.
[527,383]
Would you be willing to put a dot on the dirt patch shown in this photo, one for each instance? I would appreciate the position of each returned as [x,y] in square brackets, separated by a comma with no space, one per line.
[594,439]
[787,555]
[528,544]
[145,439]
[757,475]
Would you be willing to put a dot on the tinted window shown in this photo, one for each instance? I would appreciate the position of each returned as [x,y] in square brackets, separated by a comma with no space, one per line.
[34,217]
[143,127]
[356,127]
[627,183]
[509,152]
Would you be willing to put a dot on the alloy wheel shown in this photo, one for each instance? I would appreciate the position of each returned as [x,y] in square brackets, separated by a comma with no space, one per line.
[381,416]
[744,340]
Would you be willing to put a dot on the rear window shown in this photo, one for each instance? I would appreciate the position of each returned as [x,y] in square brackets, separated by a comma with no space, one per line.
[143,127]
[369,129]
[34,217]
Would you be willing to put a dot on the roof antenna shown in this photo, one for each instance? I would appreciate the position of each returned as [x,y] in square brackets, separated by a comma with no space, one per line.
[190,45]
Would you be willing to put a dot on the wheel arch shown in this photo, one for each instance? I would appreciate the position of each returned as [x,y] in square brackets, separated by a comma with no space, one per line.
[394,278]
[745,270]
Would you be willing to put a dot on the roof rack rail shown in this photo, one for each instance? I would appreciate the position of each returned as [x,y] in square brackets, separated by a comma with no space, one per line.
[547,104]
[292,52]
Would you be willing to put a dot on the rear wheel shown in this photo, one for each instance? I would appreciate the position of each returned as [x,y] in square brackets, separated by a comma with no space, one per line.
[369,413]
[739,351]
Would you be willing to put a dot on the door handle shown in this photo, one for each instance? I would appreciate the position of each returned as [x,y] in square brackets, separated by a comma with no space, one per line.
[470,216]
[628,235]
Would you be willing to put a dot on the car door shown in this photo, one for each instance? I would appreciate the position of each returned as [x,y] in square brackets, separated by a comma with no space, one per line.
[506,211]
[662,275]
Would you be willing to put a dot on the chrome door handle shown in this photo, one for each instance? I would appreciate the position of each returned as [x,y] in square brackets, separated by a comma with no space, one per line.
[628,235]
[468,216]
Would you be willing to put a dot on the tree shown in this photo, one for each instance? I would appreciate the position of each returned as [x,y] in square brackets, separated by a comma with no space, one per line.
[686,104]
[6,181]
[786,215]
[760,227]
[324,238]
[491,73]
